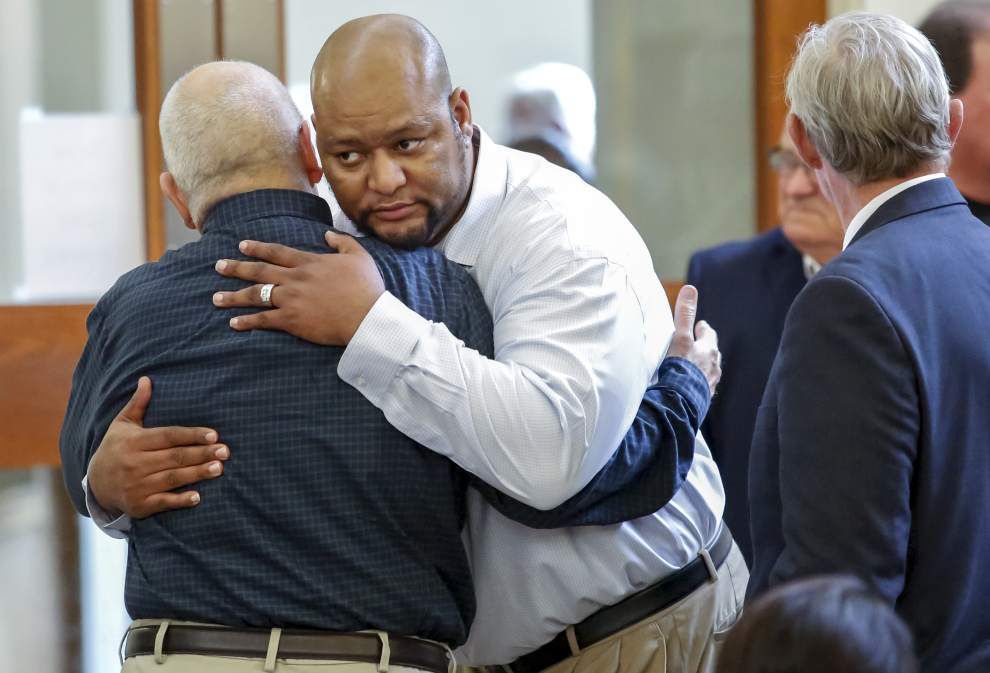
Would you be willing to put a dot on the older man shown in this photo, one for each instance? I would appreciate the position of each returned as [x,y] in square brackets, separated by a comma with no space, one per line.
[960,32]
[870,451]
[746,289]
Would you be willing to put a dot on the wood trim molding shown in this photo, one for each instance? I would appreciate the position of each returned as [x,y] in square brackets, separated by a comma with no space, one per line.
[280,40]
[148,82]
[777,25]
[671,288]
[39,348]
[218,50]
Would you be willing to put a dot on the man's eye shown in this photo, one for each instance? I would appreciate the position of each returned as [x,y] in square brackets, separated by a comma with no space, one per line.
[410,144]
[348,158]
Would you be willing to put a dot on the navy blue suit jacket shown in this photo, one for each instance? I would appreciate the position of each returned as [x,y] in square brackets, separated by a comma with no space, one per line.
[744,291]
[872,446]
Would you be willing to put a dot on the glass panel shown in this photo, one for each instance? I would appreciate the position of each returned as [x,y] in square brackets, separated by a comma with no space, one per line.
[676,127]
[67,116]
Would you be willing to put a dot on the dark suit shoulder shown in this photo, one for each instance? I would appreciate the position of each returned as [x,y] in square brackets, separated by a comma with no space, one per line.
[744,255]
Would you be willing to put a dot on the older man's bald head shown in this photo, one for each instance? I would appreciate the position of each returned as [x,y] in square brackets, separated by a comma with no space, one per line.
[223,122]
[373,54]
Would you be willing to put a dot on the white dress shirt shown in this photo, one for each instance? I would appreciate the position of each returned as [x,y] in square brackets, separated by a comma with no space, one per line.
[874,205]
[581,324]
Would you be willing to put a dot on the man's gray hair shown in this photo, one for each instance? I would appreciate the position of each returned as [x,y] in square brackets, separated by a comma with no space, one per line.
[872,95]
[225,121]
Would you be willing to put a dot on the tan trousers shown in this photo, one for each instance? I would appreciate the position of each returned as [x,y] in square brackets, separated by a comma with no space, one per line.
[194,663]
[684,638]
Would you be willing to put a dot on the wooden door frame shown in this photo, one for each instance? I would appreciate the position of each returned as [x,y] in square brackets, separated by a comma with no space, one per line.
[777,25]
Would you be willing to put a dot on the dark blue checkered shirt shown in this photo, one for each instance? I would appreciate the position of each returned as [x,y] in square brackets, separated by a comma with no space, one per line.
[326,517]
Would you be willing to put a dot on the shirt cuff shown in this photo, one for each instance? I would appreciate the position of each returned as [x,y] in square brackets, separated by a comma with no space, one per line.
[684,377]
[114,525]
[382,345]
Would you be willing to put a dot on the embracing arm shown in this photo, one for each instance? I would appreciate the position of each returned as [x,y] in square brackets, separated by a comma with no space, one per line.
[114,467]
[647,468]
[539,420]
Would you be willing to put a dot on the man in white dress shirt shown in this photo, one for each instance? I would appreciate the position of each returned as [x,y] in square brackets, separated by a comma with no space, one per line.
[581,324]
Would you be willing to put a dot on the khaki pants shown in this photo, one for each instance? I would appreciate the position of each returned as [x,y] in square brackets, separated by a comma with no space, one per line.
[684,638]
[195,663]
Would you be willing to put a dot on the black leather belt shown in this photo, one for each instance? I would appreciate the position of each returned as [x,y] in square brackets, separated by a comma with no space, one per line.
[294,644]
[629,611]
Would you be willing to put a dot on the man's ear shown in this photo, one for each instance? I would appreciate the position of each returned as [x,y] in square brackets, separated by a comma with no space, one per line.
[805,149]
[307,154]
[178,199]
[460,108]
[955,119]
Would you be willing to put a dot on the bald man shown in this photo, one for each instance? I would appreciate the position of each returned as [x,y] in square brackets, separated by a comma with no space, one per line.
[581,324]
[328,521]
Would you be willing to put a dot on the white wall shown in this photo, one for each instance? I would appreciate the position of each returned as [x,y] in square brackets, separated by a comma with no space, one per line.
[484,44]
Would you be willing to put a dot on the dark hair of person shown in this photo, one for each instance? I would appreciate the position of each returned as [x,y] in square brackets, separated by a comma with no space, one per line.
[951,28]
[825,624]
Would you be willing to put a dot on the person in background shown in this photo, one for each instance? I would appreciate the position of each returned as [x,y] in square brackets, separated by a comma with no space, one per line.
[550,111]
[960,32]
[823,624]
[745,289]
[870,453]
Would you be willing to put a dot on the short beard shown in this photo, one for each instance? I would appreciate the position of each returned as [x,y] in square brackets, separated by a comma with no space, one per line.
[437,220]
[412,240]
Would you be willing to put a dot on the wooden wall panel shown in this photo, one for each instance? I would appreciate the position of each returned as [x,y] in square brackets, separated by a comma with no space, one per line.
[672,287]
[39,348]
[777,27]
[147,77]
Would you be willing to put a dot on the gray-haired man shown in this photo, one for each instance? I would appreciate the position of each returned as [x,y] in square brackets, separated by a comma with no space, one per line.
[870,451]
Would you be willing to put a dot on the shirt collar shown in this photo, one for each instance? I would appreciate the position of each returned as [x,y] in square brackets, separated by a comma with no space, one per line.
[464,241]
[870,208]
[234,211]
[811,266]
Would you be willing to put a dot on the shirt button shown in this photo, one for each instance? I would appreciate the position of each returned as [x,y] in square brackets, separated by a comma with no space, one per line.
[360,381]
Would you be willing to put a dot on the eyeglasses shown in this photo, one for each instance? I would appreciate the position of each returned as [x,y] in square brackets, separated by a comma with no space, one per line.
[785,162]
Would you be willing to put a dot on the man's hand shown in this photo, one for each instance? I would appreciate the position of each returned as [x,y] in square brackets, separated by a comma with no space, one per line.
[135,468]
[696,343]
[319,298]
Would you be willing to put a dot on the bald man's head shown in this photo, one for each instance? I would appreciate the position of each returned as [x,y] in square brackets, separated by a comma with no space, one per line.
[375,51]
[395,139]
[226,123]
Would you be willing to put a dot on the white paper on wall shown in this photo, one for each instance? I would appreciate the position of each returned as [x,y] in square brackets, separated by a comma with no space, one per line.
[81,203]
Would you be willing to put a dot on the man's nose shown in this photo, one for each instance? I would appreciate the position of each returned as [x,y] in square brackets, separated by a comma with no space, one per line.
[386,174]
[800,182]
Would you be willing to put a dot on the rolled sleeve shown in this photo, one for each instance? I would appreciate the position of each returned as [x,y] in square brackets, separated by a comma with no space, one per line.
[113,524]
